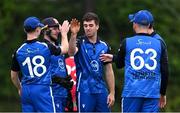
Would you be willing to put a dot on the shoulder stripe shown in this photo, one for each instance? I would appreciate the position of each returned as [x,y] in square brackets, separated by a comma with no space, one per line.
[103,43]
[21,47]
[43,43]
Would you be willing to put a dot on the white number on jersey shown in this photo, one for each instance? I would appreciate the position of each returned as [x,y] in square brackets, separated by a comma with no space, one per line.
[33,71]
[141,60]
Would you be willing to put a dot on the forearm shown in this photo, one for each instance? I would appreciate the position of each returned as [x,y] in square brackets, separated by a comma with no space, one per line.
[64,43]
[109,75]
[164,77]
[72,44]
[164,70]
[15,80]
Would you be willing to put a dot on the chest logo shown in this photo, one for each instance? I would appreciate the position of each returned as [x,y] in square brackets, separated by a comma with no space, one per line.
[61,64]
[95,65]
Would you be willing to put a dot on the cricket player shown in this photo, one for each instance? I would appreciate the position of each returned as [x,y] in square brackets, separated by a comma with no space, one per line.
[93,95]
[32,59]
[146,67]
[58,66]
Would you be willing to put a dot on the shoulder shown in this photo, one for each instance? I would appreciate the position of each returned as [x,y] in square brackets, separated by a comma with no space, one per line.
[158,37]
[43,43]
[80,40]
[20,47]
[103,43]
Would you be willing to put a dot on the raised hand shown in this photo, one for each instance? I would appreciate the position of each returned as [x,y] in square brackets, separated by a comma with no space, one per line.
[64,28]
[75,26]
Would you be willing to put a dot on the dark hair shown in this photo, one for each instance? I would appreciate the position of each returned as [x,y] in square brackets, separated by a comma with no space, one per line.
[29,29]
[91,16]
[151,25]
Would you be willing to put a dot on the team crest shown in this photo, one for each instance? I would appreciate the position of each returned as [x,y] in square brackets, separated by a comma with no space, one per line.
[61,64]
[95,65]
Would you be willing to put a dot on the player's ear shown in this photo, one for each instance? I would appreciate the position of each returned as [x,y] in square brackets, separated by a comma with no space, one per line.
[97,27]
[38,30]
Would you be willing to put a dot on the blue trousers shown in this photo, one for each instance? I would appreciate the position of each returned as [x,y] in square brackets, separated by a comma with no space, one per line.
[60,103]
[92,102]
[138,104]
[37,98]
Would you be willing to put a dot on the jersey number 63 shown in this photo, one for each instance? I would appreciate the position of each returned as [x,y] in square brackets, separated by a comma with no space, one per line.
[143,62]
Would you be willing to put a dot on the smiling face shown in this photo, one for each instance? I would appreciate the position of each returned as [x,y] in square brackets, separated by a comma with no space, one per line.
[90,28]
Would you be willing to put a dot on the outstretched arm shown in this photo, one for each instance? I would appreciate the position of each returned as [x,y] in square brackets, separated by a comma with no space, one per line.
[64,40]
[119,58]
[75,27]
[106,57]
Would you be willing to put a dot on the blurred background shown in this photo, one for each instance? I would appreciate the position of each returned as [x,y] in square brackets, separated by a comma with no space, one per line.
[114,26]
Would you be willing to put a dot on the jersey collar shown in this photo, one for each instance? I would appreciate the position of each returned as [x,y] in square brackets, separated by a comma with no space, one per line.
[144,34]
[87,40]
[153,33]
[31,41]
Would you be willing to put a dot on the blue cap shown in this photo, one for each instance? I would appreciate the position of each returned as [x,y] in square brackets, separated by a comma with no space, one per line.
[32,23]
[142,17]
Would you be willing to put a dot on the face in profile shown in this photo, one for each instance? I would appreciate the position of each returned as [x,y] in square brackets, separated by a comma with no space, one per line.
[54,32]
[90,28]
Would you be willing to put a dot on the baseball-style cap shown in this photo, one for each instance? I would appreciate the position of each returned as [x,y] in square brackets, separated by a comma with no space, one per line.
[51,22]
[143,17]
[32,23]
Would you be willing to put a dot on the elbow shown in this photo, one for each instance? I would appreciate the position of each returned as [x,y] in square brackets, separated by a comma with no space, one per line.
[70,53]
[64,50]
[13,75]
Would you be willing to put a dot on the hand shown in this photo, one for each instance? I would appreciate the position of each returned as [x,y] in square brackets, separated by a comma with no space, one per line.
[110,100]
[162,101]
[75,26]
[106,57]
[65,27]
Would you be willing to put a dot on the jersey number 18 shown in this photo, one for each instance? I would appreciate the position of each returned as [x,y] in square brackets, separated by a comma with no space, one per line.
[34,70]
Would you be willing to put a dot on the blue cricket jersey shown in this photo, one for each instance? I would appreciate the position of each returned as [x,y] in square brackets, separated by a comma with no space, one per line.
[146,66]
[142,67]
[89,67]
[157,36]
[58,68]
[32,58]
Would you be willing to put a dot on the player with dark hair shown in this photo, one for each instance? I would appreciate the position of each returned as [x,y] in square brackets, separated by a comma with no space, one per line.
[146,67]
[32,59]
[61,82]
[92,92]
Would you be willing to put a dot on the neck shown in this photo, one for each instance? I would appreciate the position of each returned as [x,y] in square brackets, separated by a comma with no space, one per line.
[93,39]
[142,31]
[150,31]
[47,38]
[31,36]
